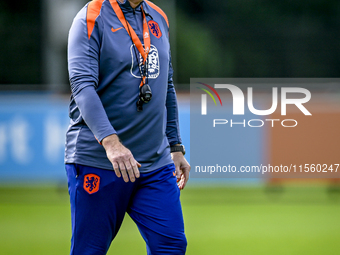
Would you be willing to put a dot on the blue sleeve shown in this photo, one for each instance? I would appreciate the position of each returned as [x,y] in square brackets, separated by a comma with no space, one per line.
[172,127]
[93,113]
[83,67]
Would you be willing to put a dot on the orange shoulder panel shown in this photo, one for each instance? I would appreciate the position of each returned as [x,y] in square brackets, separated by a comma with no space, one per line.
[153,6]
[93,10]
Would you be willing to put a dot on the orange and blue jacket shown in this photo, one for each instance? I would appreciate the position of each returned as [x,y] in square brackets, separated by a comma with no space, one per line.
[105,78]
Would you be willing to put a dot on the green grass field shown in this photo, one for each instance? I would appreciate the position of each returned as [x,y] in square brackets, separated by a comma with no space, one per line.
[218,220]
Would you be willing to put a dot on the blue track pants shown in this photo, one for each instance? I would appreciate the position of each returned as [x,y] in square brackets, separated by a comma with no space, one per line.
[99,201]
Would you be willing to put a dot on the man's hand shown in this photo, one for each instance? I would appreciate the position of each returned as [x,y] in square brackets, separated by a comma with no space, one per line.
[182,169]
[121,158]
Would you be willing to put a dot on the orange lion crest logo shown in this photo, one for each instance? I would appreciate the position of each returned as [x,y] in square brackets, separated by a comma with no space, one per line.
[91,183]
[154,28]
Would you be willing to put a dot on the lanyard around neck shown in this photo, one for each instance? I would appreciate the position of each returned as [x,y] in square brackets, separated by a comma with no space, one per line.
[146,35]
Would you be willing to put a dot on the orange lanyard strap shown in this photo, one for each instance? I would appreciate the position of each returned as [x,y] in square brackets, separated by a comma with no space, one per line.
[133,35]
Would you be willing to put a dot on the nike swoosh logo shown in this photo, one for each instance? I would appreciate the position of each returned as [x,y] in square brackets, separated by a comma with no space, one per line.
[115,30]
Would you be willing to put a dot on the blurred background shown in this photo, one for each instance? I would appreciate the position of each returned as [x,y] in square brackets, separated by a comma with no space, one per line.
[245,38]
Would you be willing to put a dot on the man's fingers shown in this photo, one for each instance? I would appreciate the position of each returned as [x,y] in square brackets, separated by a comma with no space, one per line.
[184,177]
[129,170]
[180,183]
[116,169]
[135,166]
[178,171]
[123,171]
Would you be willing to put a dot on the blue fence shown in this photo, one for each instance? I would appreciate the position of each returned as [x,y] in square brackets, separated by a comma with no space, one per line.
[32,137]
